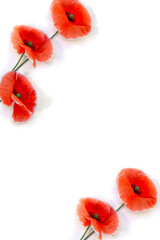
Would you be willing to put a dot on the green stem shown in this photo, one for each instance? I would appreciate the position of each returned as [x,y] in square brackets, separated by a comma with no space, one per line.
[53,35]
[89,235]
[120,207]
[85,232]
[21,65]
[18,61]
[0,100]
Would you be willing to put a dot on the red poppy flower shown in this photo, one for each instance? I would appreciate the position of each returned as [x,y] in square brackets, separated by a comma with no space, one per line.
[16,88]
[71,18]
[136,190]
[33,42]
[100,215]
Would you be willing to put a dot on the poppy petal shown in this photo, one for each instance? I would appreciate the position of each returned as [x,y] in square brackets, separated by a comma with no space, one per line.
[75,31]
[24,87]
[6,87]
[24,33]
[125,190]
[140,204]
[45,51]
[97,227]
[32,34]
[30,55]
[110,225]
[95,205]
[17,41]
[83,214]
[59,17]
[20,112]
[18,101]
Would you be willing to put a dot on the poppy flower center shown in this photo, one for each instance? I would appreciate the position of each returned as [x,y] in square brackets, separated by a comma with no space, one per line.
[28,43]
[95,216]
[18,95]
[136,189]
[70,17]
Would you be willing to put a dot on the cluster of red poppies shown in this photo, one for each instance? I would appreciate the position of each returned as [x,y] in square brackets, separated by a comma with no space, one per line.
[136,190]
[72,21]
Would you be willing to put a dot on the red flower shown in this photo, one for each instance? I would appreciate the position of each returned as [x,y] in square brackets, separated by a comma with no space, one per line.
[16,87]
[100,215]
[136,190]
[71,18]
[33,42]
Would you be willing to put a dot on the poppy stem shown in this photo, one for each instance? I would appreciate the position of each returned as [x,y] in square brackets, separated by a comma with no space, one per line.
[89,235]
[54,35]
[120,207]
[18,61]
[85,232]
[21,65]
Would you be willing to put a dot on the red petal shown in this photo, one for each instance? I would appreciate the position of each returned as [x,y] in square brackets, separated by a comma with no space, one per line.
[45,51]
[95,224]
[82,213]
[20,113]
[110,225]
[17,41]
[18,101]
[23,107]
[7,87]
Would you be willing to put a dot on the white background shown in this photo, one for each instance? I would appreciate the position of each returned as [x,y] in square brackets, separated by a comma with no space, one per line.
[98,111]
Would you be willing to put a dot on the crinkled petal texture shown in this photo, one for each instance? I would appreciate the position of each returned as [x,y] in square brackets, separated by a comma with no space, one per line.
[33,42]
[145,198]
[15,83]
[107,220]
[74,28]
